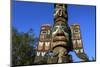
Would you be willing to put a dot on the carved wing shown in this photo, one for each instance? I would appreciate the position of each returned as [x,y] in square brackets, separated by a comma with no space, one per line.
[77,42]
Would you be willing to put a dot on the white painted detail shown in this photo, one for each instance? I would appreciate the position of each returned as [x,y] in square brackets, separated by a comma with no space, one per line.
[79,42]
[81,50]
[76,31]
[59,60]
[48,31]
[74,41]
[76,51]
[38,53]
[42,53]
[41,43]
[53,34]
[47,43]
[43,28]
[56,13]
[71,30]
[65,32]
[44,32]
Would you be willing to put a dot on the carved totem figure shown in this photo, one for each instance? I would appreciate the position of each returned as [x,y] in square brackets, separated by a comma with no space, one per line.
[56,43]
[61,34]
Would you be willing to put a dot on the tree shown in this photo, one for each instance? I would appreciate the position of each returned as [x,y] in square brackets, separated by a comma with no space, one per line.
[23,52]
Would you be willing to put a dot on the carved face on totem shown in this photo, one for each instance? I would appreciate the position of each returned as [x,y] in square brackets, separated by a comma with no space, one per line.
[60,11]
[60,33]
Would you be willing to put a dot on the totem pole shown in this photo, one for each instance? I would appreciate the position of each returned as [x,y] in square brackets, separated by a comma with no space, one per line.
[55,43]
[43,44]
[61,37]
[65,38]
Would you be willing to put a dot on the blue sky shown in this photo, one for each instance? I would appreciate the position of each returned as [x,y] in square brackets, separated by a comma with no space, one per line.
[26,15]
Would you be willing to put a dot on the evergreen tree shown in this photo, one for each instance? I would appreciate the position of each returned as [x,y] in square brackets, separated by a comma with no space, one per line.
[23,52]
